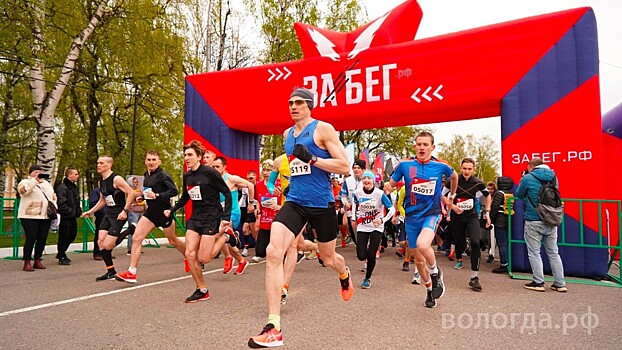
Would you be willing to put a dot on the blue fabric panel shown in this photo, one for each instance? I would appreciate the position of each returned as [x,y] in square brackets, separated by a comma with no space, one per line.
[202,119]
[568,64]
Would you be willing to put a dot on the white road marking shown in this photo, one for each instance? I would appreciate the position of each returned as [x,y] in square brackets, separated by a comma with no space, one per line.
[87,297]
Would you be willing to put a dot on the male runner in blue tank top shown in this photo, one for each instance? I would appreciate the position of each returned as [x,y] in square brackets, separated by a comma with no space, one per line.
[423,180]
[314,151]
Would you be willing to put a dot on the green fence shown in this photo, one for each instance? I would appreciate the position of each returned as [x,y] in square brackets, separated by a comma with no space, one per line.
[10,227]
[594,207]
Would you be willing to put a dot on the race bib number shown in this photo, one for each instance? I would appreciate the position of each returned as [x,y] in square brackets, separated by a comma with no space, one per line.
[368,206]
[297,167]
[423,187]
[464,203]
[110,201]
[195,193]
[268,202]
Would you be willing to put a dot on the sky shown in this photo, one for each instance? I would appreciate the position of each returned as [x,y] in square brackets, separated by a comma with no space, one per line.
[448,16]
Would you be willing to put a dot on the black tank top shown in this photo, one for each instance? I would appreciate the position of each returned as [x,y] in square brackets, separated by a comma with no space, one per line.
[114,197]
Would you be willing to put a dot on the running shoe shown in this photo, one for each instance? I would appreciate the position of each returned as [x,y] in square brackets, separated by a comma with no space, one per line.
[377,254]
[268,338]
[258,259]
[284,296]
[319,259]
[299,257]
[438,287]
[197,296]
[126,276]
[244,252]
[500,269]
[458,265]
[416,278]
[474,284]
[343,243]
[366,283]
[452,255]
[235,242]
[186,266]
[346,287]
[228,265]
[490,259]
[406,266]
[429,300]
[311,255]
[241,267]
[400,252]
[538,287]
[107,276]
[561,289]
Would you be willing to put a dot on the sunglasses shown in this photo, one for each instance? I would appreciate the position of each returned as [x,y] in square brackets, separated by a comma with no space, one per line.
[298,103]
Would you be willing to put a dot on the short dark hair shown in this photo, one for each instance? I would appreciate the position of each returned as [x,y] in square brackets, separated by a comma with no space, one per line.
[69,169]
[468,160]
[153,153]
[425,134]
[196,146]
[534,162]
[221,159]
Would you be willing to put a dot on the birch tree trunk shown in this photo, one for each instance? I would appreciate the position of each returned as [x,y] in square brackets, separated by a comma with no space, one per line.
[45,102]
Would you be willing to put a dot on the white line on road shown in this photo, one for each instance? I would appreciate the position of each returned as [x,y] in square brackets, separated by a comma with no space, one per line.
[86,297]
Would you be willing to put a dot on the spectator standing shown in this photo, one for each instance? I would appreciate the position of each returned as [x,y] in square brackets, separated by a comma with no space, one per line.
[536,231]
[70,209]
[35,196]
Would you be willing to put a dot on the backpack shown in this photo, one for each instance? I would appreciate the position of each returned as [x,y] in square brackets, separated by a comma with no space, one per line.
[506,201]
[550,207]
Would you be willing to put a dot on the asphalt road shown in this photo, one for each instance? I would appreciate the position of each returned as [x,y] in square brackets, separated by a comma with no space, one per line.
[63,307]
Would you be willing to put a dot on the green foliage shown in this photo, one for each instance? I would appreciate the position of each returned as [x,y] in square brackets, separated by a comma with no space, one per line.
[483,150]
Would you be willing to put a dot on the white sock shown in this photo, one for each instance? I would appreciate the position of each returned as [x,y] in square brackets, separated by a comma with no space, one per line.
[433,268]
[132,270]
[474,274]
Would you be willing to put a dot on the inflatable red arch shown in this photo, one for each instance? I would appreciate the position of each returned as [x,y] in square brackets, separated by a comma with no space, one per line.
[540,74]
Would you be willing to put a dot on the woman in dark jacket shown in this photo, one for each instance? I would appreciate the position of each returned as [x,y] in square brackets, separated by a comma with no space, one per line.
[499,218]
[69,209]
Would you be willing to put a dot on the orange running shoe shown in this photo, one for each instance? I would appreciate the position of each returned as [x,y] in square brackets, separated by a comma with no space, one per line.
[228,265]
[346,287]
[452,255]
[126,276]
[186,266]
[241,267]
[268,338]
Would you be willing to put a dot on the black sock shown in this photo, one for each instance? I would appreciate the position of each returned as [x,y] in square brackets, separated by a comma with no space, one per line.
[107,257]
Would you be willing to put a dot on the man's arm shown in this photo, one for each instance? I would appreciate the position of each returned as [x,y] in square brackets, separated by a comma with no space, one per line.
[243,183]
[338,164]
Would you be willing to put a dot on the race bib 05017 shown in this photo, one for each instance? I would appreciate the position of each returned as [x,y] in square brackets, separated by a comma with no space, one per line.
[423,187]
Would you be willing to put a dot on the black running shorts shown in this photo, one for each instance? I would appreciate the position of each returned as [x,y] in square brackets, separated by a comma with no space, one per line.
[111,224]
[208,227]
[323,220]
[158,219]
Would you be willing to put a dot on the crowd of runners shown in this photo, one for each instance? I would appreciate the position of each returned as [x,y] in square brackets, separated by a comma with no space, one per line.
[303,201]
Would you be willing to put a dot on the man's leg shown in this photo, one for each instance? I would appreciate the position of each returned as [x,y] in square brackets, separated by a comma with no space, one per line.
[143,228]
[533,240]
[552,251]
[171,235]
[281,238]
[193,239]
[63,237]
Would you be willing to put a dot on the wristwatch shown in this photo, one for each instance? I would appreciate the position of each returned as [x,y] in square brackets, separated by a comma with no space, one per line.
[313,159]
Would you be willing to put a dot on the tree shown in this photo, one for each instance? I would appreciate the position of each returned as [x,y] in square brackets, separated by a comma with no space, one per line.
[46,101]
[396,141]
[483,150]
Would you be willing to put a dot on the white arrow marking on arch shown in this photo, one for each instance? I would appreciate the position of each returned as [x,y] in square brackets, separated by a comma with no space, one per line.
[414,96]
[425,94]
[436,94]
[271,75]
